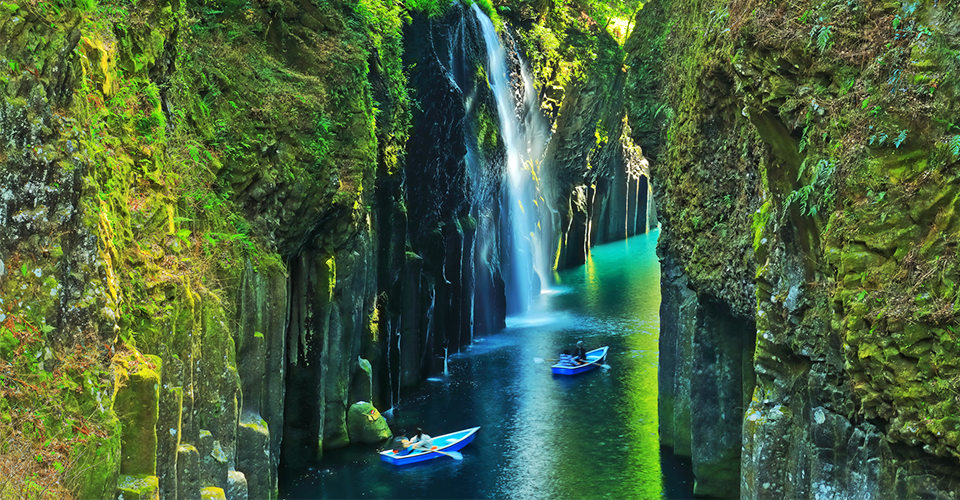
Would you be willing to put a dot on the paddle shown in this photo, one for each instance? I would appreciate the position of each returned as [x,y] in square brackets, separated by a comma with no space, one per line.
[541,360]
[456,455]
[598,364]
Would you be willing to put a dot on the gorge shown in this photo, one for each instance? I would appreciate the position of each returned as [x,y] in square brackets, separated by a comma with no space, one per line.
[231,229]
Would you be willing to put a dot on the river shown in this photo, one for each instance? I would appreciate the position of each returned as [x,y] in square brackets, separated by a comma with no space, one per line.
[594,435]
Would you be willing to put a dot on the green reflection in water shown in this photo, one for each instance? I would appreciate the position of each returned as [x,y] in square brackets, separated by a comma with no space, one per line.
[620,291]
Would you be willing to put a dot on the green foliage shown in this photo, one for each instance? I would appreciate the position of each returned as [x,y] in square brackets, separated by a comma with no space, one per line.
[319,147]
[49,408]
[432,8]
[900,138]
[760,218]
[955,145]
[822,36]
[601,134]
[85,5]
[817,192]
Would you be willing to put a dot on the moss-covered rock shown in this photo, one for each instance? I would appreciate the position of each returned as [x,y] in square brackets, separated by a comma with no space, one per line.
[840,135]
[366,425]
[253,457]
[212,493]
[138,487]
[136,402]
[188,471]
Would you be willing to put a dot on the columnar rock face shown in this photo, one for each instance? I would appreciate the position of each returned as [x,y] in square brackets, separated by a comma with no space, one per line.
[234,223]
[159,191]
[599,176]
[261,365]
[444,283]
[705,374]
[805,186]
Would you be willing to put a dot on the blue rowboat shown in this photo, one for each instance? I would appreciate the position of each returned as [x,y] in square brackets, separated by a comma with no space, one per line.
[594,359]
[445,443]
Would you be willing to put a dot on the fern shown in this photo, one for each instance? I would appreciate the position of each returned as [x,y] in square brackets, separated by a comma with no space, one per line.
[823,38]
[900,138]
[805,196]
[800,196]
[955,145]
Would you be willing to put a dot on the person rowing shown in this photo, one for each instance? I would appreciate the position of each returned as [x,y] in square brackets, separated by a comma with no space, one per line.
[581,354]
[421,440]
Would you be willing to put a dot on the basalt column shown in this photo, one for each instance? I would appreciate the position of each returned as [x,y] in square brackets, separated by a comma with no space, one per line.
[706,379]
[329,331]
[446,278]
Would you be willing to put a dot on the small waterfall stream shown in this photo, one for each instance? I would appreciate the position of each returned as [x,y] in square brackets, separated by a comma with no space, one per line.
[525,133]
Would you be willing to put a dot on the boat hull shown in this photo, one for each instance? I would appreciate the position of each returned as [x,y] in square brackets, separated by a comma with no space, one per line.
[445,443]
[595,357]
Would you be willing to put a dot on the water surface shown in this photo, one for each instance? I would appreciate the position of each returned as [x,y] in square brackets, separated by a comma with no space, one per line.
[592,435]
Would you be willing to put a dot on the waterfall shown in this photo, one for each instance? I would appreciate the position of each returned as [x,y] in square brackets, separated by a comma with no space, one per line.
[524,132]
[649,207]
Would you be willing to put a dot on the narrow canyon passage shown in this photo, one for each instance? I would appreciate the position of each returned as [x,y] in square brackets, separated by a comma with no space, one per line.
[594,435]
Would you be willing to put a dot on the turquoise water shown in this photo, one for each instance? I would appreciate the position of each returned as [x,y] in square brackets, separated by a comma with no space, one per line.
[593,435]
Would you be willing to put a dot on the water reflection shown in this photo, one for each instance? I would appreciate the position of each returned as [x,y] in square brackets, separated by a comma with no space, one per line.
[542,436]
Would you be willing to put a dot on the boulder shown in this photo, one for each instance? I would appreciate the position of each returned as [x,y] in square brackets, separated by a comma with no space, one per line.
[366,425]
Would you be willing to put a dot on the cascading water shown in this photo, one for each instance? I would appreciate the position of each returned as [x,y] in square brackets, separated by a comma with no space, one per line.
[524,132]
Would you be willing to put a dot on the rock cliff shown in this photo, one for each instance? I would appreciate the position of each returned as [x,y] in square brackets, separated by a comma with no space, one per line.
[231,230]
[804,161]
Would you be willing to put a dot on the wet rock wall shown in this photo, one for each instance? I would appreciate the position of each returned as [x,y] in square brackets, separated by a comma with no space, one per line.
[245,226]
[776,147]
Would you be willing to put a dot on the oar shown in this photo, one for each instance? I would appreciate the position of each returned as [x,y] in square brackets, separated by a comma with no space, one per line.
[456,455]
[598,364]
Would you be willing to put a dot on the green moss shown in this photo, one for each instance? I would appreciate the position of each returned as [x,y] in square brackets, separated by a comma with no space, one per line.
[136,403]
[139,487]
[212,493]
[488,130]
[760,218]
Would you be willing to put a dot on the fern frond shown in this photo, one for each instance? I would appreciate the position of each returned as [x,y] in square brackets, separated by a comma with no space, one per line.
[955,145]
[823,38]
[803,167]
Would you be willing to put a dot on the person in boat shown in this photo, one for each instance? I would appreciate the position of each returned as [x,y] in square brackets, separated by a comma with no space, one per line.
[421,440]
[400,443]
[581,356]
[566,359]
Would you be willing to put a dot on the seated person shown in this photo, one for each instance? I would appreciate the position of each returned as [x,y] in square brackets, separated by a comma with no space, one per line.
[566,359]
[400,444]
[421,440]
